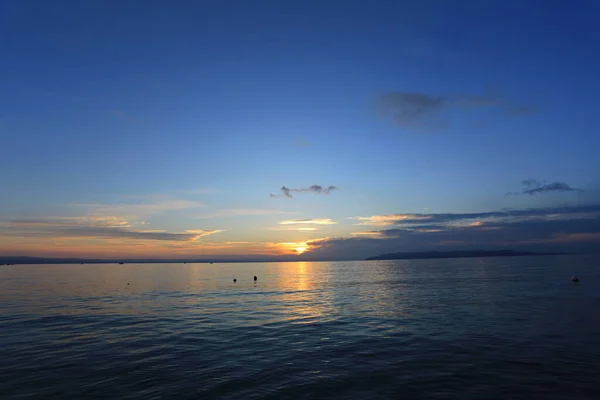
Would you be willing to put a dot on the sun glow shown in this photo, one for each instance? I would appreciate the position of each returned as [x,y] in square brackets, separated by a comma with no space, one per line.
[295,247]
[301,249]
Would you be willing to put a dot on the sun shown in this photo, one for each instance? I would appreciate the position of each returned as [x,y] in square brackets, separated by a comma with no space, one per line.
[301,249]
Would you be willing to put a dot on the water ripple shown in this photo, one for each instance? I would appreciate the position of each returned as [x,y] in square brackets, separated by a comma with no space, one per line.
[490,328]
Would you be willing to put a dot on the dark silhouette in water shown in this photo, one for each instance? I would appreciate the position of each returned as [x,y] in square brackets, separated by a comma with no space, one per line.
[255,278]
[575,279]
[234,280]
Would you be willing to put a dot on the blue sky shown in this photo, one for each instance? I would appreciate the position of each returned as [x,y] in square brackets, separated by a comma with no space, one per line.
[186,117]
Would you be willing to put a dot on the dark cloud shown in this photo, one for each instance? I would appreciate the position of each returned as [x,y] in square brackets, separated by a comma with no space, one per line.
[287,192]
[522,110]
[423,220]
[406,108]
[421,110]
[486,99]
[72,228]
[559,229]
[533,186]
[301,142]
[129,118]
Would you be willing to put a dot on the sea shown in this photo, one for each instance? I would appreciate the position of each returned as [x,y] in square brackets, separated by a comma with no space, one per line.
[478,328]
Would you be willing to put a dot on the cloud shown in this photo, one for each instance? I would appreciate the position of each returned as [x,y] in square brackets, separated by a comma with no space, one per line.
[311,221]
[293,229]
[130,119]
[317,189]
[420,110]
[368,233]
[523,110]
[108,221]
[94,227]
[533,186]
[543,229]
[200,191]
[139,210]
[406,108]
[301,142]
[104,221]
[238,212]
[423,221]
[391,219]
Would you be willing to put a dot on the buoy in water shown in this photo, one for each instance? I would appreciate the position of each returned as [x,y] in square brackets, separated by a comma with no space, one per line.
[575,279]
[234,280]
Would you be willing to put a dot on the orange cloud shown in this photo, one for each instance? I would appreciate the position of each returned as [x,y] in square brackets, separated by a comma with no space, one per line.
[239,212]
[139,210]
[390,219]
[95,227]
[368,233]
[293,229]
[116,247]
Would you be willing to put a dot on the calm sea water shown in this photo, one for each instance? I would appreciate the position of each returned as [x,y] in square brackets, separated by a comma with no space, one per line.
[505,328]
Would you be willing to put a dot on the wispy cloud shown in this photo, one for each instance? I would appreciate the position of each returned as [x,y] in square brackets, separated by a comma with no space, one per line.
[293,228]
[128,118]
[102,221]
[139,210]
[390,219]
[239,212]
[534,186]
[420,110]
[200,191]
[542,229]
[301,142]
[368,233]
[309,221]
[406,108]
[523,110]
[95,227]
[317,189]
[440,220]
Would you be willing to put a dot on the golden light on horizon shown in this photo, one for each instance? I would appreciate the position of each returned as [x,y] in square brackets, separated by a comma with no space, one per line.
[294,247]
[301,249]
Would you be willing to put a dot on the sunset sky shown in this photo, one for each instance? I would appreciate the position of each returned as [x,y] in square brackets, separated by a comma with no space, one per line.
[305,129]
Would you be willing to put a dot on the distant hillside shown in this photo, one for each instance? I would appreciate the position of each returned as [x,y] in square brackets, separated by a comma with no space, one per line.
[12,260]
[37,260]
[457,254]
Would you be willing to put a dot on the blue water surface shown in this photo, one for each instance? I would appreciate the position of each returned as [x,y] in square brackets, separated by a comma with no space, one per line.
[493,328]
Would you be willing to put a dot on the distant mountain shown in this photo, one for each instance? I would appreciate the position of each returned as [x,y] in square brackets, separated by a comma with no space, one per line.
[457,254]
[12,260]
[37,260]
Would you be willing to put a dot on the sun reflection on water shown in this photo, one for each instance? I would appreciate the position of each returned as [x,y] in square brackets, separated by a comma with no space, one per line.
[302,299]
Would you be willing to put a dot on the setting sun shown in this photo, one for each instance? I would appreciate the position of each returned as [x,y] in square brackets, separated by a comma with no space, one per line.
[301,249]
[296,247]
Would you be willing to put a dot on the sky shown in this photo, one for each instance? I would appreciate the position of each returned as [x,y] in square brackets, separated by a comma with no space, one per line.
[297,129]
